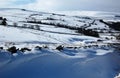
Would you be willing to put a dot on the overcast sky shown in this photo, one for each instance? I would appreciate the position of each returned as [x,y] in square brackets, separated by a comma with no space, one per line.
[63,5]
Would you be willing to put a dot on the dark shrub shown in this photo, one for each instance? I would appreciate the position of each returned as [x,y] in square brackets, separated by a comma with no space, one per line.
[45,46]
[85,47]
[1,18]
[4,22]
[75,47]
[23,9]
[25,49]
[118,37]
[101,20]
[1,48]
[38,47]
[60,48]
[49,18]
[12,49]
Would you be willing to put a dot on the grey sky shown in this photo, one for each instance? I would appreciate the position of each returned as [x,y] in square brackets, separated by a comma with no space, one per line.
[64,5]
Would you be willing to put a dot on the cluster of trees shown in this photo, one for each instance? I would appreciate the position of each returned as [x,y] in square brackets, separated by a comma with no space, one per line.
[3,21]
[113,25]
[57,24]
[88,32]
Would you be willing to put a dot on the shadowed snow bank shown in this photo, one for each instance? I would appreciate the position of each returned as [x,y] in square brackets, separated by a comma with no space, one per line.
[48,64]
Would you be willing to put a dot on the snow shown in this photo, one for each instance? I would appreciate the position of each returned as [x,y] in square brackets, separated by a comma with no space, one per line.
[15,35]
[103,52]
[117,76]
[5,57]
[89,13]
[82,56]
[28,35]
[51,64]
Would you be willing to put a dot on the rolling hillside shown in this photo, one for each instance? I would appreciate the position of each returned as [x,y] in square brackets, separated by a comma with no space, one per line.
[58,45]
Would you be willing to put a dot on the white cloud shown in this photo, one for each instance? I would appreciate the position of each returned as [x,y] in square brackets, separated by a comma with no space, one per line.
[99,5]
[44,5]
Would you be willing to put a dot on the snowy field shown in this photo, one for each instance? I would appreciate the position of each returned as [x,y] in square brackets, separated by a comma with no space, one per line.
[40,34]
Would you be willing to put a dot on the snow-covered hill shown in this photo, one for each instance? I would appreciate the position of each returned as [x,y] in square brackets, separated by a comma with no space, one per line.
[95,14]
[55,45]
